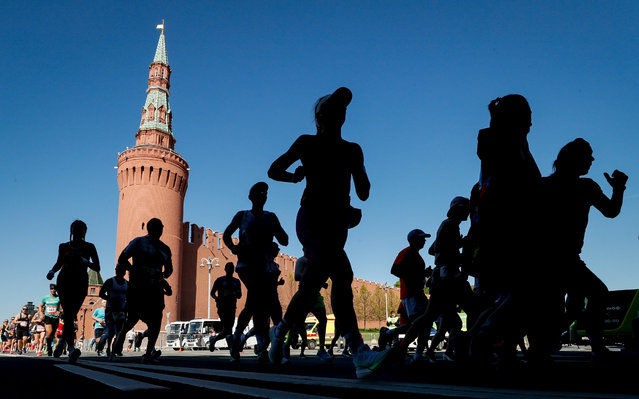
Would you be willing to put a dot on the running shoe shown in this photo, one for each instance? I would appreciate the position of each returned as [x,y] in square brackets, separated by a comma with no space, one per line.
[324,356]
[430,357]
[74,355]
[39,353]
[277,347]
[153,358]
[368,361]
[100,353]
[384,338]
[233,347]
[113,358]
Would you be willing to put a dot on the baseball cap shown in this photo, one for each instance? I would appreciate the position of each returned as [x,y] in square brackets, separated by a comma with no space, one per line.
[417,233]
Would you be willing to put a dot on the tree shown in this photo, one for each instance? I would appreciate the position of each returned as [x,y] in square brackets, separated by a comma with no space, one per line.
[363,304]
[379,304]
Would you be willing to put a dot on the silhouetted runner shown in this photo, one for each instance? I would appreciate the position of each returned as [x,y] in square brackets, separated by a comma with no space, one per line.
[323,220]
[146,287]
[114,292]
[568,198]
[226,291]
[410,268]
[74,257]
[506,225]
[257,228]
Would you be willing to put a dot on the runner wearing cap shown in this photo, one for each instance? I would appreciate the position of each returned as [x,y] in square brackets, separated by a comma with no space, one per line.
[411,269]
[328,164]
[50,307]
[448,286]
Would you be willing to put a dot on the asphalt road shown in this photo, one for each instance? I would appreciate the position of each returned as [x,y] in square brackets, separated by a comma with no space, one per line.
[205,373]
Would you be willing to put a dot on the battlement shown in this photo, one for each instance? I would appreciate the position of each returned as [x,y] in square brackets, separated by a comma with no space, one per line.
[151,165]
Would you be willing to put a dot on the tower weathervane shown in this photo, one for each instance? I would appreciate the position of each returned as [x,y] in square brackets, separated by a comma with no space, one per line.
[161,26]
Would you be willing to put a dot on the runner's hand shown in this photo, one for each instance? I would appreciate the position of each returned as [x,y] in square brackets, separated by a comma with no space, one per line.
[50,275]
[298,175]
[618,179]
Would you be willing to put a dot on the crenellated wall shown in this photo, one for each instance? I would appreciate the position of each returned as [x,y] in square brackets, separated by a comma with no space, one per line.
[202,243]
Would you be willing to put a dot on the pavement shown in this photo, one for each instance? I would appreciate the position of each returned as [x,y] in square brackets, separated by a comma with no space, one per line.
[571,375]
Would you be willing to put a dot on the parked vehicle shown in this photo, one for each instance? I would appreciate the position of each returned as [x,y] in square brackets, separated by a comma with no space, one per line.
[200,332]
[176,334]
[311,330]
[621,322]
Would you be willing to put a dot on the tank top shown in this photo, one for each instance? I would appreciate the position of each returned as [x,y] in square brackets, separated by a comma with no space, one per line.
[23,322]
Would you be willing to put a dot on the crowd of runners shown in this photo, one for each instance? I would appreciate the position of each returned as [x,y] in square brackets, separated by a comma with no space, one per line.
[510,208]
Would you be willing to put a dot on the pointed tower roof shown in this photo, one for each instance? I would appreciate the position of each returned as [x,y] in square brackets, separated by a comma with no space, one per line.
[160,51]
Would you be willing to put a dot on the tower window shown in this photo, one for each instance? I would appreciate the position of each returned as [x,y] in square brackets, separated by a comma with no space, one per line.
[142,225]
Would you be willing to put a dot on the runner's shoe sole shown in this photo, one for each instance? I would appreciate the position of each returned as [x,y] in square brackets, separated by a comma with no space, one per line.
[74,355]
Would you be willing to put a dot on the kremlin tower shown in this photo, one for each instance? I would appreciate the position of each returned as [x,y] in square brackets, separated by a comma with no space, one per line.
[153,177]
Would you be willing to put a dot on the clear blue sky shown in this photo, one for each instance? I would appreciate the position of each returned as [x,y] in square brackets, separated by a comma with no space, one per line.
[245,77]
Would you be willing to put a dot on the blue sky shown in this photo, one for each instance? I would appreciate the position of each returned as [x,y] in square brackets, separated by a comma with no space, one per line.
[245,78]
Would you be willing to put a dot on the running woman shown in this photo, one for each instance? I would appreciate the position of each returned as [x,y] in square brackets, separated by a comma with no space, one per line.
[113,291]
[328,164]
[38,331]
[4,335]
[74,257]
[22,330]
[568,197]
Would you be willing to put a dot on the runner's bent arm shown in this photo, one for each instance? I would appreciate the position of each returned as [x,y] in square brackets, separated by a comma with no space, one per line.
[105,289]
[279,233]
[278,170]
[360,178]
[168,266]
[227,236]
[610,207]
[95,265]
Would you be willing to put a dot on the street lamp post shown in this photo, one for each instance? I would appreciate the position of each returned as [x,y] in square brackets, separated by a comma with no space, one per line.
[209,263]
[386,298]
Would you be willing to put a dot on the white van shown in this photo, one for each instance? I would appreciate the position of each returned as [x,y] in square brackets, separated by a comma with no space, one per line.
[176,334]
[200,332]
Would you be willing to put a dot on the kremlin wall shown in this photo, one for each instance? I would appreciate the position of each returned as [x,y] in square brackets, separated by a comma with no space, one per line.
[153,179]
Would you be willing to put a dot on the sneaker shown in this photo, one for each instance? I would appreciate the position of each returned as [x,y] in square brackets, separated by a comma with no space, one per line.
[277,347]
[324,356]
[430,357]
[153,358]
[302,355]
[11,352]
[262,356]
[415,361]
[368,361]
[39,353]
[113,358]
[74,355]
[384,338]
[100,353]
[233,347]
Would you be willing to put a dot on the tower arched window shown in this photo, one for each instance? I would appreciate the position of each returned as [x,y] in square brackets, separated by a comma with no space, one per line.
[143,115]
[162,115]
[151,112]
[156,71]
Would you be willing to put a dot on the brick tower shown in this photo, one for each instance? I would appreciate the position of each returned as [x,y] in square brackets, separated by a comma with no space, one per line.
[153,178]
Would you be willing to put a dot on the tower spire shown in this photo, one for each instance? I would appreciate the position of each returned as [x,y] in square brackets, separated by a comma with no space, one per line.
[156,124]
